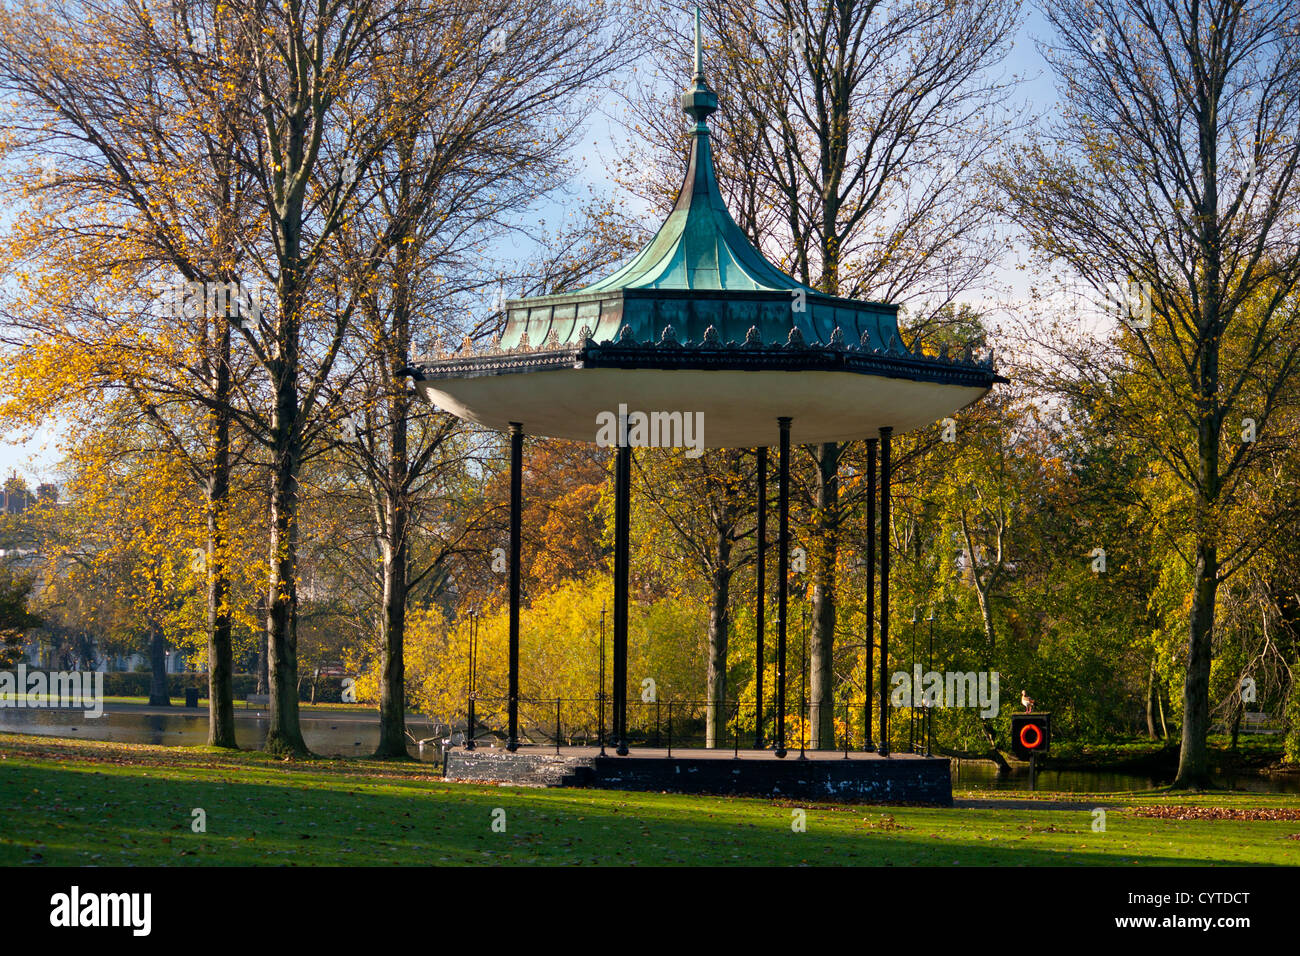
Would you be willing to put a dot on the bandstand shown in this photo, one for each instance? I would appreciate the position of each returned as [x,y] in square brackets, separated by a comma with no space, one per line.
[700,322]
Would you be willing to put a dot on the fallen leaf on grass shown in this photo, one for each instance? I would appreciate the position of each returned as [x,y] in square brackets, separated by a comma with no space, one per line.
[1217,813]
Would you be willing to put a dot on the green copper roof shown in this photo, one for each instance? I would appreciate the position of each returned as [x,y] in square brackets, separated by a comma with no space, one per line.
[699,246]
[700,277]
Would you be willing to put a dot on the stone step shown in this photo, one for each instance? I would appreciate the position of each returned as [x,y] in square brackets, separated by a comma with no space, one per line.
[528,770]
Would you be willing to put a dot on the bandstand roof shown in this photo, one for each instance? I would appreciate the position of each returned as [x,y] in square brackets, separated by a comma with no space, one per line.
[700,321]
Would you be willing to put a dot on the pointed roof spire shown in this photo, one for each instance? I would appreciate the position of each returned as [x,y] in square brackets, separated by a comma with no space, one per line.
[699,46]
[700,246]
[698,101]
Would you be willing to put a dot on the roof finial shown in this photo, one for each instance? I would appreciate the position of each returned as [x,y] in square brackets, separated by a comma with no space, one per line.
[699,45]
[699,101]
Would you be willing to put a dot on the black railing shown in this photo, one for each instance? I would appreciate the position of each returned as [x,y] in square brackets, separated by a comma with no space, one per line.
[685,724]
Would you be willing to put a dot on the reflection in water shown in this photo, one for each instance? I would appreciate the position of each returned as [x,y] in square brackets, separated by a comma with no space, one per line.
[327,736]
[984,776]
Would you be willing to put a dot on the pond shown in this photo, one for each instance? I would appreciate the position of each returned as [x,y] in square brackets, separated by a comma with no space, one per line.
[982,775]
[330,736]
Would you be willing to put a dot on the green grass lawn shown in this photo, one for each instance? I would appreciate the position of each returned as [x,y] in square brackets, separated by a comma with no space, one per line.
[80,802]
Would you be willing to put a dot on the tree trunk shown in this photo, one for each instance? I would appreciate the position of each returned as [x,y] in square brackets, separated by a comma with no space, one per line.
[822,678]
[158,694]
[990,735]
[719,626]
[393,536]
[1161,697]
[1193,758]
[263,678]
[284,735]
[221,692]
[392,686]
[990,643]
[1151,700]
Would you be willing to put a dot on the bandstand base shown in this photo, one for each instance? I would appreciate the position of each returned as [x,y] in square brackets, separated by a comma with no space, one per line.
[824,775]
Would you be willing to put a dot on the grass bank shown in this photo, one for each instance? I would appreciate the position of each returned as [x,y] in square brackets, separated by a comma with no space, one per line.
[83,802]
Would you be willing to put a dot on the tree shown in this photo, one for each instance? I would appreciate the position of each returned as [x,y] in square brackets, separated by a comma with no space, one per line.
[136,189]
[702,501]
[15,619]
[1173,178]
[125,546]
[431,205]
[235,143]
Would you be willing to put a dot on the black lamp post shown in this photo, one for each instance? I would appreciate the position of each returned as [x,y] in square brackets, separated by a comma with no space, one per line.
[885,478]
[803,678]
[600,694]
[622,532]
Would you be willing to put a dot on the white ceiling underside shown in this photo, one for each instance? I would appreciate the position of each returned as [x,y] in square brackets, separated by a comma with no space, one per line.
[740,408]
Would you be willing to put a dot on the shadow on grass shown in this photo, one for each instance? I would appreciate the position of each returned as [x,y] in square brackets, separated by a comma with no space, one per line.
[269,812]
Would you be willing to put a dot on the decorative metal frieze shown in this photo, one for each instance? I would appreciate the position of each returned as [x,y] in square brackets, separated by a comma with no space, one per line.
[670,355]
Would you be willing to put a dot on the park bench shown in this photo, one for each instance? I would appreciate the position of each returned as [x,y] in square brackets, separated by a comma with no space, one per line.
[257,700]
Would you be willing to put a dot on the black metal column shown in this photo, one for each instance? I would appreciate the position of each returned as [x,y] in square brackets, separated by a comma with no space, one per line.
[885,434]
[473,679]
[760,606]
[868,743]
[516,509]
[622,535]
[929,666]
[782,573]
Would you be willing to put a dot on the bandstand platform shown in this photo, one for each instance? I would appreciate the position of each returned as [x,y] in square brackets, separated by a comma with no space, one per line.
[818,775]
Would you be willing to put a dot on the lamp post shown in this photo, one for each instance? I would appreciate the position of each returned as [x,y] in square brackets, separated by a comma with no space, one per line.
[600,694]
[473,677]
[803,677]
